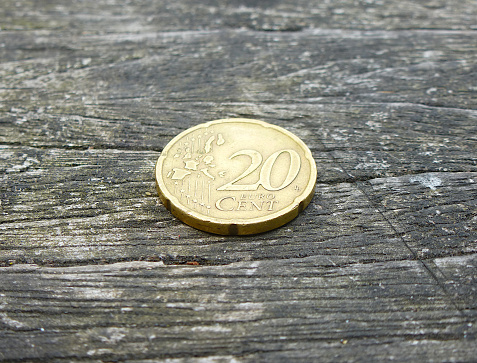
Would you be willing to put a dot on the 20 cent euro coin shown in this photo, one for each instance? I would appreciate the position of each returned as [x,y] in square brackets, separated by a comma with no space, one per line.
[236,176]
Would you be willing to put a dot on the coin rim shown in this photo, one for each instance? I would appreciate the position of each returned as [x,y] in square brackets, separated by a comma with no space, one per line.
[235,226]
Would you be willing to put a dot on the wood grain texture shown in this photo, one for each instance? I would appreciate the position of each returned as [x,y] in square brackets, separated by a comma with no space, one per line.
[296,309]
[380,266]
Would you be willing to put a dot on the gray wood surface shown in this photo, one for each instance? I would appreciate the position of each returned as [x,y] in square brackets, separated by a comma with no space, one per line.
[382,264]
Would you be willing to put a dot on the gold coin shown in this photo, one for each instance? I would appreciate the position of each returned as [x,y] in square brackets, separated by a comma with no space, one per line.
[236,176]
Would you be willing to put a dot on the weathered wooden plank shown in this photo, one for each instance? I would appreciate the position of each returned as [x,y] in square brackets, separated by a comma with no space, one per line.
[86,206]
[250,310]
[114,16]
[147,70]
[435,212]
[460,274]
[80,206]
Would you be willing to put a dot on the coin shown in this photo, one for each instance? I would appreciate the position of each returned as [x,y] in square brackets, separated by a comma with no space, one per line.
[236,176]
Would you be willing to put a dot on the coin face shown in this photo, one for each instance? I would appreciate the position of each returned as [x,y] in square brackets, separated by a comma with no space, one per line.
[236,176]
